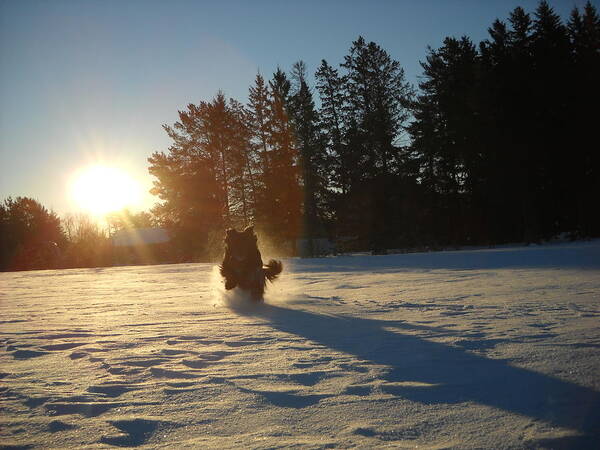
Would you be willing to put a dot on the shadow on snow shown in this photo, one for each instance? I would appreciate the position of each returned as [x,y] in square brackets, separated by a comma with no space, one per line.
[453,375]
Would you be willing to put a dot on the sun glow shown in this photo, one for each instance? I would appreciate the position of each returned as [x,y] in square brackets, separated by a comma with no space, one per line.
[101,189]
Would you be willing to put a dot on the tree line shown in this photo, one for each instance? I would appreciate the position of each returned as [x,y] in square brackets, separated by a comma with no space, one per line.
[290,168]
[503,137]
[496,144]
[32,237]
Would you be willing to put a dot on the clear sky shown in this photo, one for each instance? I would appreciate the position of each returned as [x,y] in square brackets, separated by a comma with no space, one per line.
[85,81]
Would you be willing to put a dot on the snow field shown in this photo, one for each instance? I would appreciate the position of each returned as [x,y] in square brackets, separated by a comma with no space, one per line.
[495,348]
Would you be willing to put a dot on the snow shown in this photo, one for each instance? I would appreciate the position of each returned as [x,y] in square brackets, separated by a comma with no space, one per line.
[492,348]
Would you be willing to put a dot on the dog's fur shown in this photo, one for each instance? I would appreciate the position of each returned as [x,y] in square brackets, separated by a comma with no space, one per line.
[243,266]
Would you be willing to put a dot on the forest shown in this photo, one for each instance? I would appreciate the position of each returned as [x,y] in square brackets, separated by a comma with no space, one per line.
[497,144]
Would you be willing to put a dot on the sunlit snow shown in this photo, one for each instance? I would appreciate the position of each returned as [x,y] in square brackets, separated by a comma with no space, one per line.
[494,348]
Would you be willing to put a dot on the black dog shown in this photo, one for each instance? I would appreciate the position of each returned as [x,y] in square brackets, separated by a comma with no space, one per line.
[242,265]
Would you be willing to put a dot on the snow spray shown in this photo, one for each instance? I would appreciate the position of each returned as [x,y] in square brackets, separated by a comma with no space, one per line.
[276,292]
[234,298]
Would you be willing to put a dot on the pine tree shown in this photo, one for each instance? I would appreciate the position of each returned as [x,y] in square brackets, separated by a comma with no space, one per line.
[242,161]
[280,199]
[203,181]
[507,77]
[186,181]
[311,151]
[550,126]
[376,112]
[260,123]
[584,34]
[446,139]
[378,102]
[330,86]
[30,235]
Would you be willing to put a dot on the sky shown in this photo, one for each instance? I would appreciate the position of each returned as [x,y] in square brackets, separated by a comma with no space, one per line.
[92,82]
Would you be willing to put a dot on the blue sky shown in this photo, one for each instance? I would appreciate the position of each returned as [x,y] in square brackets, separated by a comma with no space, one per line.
[93,81]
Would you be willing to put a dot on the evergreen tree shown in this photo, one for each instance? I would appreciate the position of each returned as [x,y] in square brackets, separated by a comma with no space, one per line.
[551,96]
[279,201]
[446,139]
[376,110]
[491,129]
[330,86]
[378,102]
[584,34]
[501,148]
[30,235]
[203,180]
[313,161]
[259,120]
[244,170]
[507,80]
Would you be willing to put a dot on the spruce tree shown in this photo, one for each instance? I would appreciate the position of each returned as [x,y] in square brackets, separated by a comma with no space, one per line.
[279,203]
[584,34]
[446,136]
[330,86]
[550,126]
[190,197]
[204,179]
[30,236]
[260,123]
[311,151]
[377,102]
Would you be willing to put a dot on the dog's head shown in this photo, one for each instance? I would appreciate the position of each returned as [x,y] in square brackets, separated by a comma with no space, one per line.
[241,245]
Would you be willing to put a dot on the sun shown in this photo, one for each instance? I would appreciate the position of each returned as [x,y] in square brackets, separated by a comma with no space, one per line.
[101,189]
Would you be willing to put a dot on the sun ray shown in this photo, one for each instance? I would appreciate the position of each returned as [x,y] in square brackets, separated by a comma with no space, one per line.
[101,189]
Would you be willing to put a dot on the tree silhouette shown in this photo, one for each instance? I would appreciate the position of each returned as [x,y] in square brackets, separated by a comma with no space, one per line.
[330,86]
[584,34]
[281,202]
[313,160]
[498,145]
[192,179]
[30,235]
[376,111]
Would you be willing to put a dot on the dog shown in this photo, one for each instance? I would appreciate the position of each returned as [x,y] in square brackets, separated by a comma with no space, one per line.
[243,266]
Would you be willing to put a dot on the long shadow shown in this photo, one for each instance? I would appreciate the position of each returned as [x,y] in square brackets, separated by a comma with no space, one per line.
[453,375]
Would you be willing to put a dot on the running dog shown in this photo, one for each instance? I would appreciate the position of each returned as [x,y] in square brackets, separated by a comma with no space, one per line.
[243,266]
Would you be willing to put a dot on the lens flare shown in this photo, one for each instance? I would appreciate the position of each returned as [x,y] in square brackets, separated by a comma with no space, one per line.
[100,190]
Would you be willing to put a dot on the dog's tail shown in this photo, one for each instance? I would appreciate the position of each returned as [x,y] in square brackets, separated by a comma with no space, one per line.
[272,269]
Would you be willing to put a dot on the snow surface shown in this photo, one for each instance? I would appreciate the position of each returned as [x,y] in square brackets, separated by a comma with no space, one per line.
[495,348]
